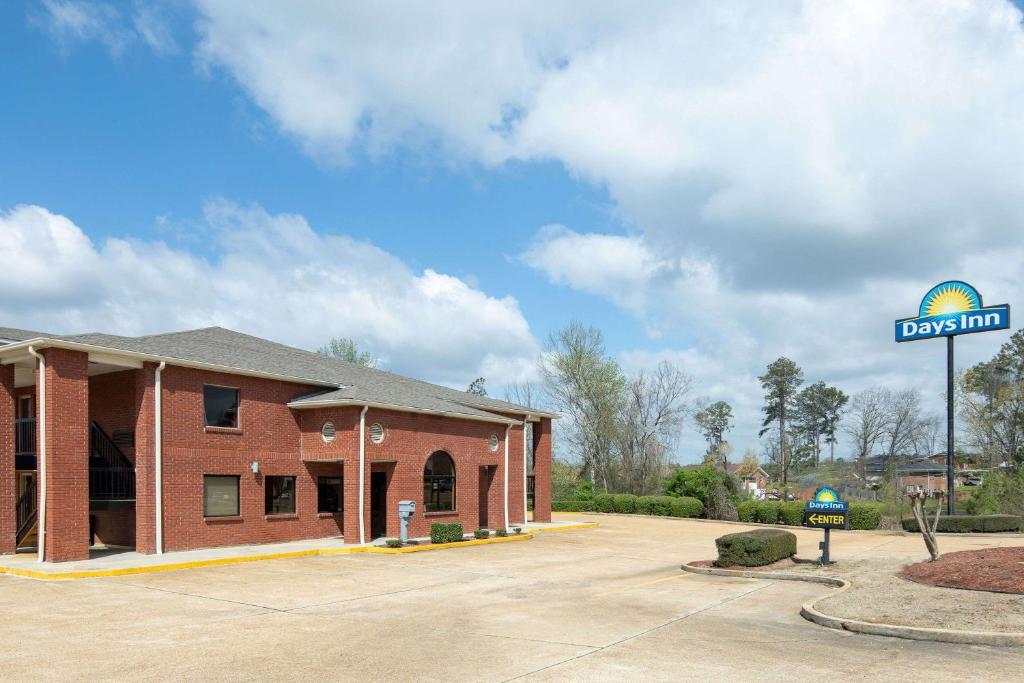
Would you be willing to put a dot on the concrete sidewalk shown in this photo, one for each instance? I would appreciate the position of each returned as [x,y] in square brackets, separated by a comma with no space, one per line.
[119,562]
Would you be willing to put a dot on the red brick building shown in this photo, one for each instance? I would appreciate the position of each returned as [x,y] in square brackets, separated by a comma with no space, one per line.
[212,437]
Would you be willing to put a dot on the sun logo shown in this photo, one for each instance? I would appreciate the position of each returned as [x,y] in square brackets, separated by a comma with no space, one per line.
[949,298]
[826,495]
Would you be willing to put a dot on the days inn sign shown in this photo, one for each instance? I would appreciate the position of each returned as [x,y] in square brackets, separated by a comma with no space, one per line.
[952,308]
[948,309]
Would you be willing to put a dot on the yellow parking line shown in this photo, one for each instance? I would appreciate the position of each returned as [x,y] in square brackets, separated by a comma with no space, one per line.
[640,585]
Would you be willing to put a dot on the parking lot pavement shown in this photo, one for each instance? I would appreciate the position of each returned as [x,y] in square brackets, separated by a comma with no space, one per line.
[606,603]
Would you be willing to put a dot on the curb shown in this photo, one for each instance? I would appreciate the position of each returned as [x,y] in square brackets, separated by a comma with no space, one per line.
[703,520]
[808,612]
[315,552]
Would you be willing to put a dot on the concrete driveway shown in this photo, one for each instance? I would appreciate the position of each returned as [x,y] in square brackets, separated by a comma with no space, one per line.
[607,603]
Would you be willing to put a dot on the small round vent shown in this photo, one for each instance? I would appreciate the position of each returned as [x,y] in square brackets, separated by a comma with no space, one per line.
[377,432]
[327,432]
[494,442]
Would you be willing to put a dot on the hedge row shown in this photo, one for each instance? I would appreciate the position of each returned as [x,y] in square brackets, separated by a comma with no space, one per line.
[627,503]
[862,515]
[445,533]
[755,548]
[962,524]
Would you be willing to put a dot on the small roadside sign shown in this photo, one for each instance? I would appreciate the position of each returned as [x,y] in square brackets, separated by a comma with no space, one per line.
[826,512]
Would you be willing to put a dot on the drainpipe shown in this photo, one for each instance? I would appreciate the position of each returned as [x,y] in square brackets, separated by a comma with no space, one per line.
[505,468]
[158,451]
[362,471]
[42,452]
[526,515]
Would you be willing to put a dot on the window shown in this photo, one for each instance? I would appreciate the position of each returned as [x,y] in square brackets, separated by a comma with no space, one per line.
[221,406]
[494,442]
[280,495]
[220,496]
[439,483]
[327,432]
[328,494]
[377,433]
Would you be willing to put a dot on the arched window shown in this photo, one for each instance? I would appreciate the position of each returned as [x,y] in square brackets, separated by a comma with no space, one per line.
[439,483]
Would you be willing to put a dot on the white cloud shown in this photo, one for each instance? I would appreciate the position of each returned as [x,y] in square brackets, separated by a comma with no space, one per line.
[71,22]
[272,276]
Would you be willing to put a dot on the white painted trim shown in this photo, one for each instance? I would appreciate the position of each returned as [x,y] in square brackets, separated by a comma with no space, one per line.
[505,469]
[158,448]
[41,518]
[362,473]
[341,403]
[110,359]
[526,514]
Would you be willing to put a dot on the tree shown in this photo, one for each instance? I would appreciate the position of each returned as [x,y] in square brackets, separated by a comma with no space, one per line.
[780,383]
[348,350]
[903,421]
[749,465]
[649,423]
[713,422]
[833,401]
[866,423]
[992,403]
[588,387]
[477,387]
[917,500]
[523,394]
[818,410]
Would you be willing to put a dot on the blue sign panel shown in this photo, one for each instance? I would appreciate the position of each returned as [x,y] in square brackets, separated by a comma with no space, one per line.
[952,308]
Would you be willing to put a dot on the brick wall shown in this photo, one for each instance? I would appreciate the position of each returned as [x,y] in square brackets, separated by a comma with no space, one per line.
[8,480]
[112,404]
[67,455]
[542,470]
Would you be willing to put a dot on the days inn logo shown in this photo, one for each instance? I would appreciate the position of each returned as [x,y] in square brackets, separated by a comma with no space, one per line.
[952,308]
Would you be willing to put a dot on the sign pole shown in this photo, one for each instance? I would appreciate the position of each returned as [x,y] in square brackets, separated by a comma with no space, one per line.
[949,425]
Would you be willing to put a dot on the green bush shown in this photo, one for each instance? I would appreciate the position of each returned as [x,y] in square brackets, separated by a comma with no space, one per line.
[393,543]
[661,505]
[572,506]
[865,515]
[624,503]
[768,511]
[604,502]
[686,507]
[755,548]
[481,533]
[501,533]
[747,510]
[792,513]
[645,505]
[517,530]
[963,524]
[698,482]
[441,532]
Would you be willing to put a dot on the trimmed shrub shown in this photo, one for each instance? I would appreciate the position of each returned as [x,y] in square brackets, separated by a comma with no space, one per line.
[624,503]
[686,507]
[441,532]
[792,513]
[500,533]
[768,511]
[661,505]
[481,533]
[865,515]
[746,510]
[572,506]
[964,524]
[755,548]
[393,543]
[604,502]
[645,505]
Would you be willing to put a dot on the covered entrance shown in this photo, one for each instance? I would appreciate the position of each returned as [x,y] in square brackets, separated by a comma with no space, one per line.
[378,504]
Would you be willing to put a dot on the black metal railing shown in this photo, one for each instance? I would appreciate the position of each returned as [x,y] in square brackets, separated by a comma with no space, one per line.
[531,490]
[111,483]
[25,436]
[26,510]
[111,473]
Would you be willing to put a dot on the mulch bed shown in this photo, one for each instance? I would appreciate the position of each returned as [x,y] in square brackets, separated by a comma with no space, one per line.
[785,563]
[999,570]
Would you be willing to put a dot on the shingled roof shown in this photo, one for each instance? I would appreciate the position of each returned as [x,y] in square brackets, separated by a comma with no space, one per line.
[342,382]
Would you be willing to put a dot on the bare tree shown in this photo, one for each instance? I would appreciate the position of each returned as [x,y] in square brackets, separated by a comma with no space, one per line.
[917,500]
[651,418]
[586,386]
[903,421]
[865,423]
[523,394]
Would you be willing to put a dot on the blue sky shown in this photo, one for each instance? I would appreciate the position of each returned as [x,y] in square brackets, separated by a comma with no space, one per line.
[448,183]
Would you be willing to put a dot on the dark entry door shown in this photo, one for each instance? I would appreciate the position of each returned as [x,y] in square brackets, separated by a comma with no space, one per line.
[378,504]
[486,474]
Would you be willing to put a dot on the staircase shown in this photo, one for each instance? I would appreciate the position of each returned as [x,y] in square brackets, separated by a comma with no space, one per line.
[111,473]
[26,516]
